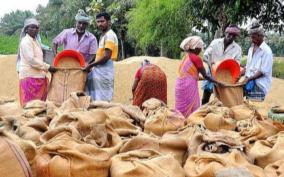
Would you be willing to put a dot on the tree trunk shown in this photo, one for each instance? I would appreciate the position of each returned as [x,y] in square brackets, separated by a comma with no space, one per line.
[122,49]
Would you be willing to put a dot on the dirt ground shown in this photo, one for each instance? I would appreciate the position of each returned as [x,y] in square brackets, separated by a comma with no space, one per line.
[124,76]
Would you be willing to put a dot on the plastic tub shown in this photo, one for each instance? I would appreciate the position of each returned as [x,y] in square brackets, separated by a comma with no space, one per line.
[69,53]
[227,64]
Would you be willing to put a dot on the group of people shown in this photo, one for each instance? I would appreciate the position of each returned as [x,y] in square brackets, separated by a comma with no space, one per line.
[98,57]
[257,72]
[150,81]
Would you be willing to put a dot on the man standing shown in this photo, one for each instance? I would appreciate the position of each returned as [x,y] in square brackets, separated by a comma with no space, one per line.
[78,38]
[219,49]
[100,80]
[258,70]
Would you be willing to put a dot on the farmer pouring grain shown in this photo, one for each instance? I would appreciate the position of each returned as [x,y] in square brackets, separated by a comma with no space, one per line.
[258,70]
[186,89]
[78,38]
[32,69]
[100,81]
[218,50]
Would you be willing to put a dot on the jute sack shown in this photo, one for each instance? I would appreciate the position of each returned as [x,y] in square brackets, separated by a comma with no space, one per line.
[145,163]
[63,82]
[244,111]
[230,96]
[63,156]
[10,109]
[150,106]
[93,128]
[254,129]
[28,147]
[13,160]
[76,101]
[215,122]
[268,151]
[275,169]
[164,120]
[165,145]
[209,164]
[121,122]
[39,108]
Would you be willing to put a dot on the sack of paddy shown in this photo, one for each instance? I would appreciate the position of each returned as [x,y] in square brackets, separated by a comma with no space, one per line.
[64,156]
[23,130]
[212,165]
[121,122]
[13,160]
[93,128]
[164,120]
[268,151]
[28,147]
[254,129]
[150,106]
[39,108]
[275,169]
[145,163]
[243,111]
[76,101]
[213,117]
[215,122]
[134,112]
[215,142]
[165,145]
[231,95]
[11,108]
[65,81]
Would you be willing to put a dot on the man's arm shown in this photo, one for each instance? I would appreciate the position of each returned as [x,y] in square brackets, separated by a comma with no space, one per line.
[103,60]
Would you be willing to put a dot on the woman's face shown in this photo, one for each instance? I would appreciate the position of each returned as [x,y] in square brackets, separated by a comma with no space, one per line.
[33,30]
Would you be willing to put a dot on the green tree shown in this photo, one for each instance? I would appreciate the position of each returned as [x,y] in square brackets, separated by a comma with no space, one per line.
[159,23]
[14,21]
[209,15]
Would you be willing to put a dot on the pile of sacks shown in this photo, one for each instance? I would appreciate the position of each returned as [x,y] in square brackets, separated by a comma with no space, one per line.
[84,138]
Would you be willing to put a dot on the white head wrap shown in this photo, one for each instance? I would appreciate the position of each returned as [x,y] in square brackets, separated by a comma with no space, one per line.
[82,16]
[255,28]
[192,42]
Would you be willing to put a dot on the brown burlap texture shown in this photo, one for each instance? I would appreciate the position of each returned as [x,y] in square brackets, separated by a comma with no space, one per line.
[13,160]
[145,163]
[64,156]
[64,82]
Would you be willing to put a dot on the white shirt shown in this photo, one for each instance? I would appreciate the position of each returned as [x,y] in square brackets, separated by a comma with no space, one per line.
[262,61]
[215,51]
[31,59]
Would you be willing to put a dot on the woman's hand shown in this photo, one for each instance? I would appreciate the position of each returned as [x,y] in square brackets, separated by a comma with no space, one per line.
[52,69]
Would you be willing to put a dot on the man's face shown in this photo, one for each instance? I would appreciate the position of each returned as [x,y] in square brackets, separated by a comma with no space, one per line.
[81,26]
[256,38]
[230,37]
[102,23]
[33,30]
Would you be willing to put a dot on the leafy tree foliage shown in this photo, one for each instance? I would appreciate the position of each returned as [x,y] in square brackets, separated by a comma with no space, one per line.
[159,23]
[14,21]
[212,14]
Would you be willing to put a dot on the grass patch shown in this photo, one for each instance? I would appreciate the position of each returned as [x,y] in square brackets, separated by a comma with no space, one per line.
[277,68]
[8,44]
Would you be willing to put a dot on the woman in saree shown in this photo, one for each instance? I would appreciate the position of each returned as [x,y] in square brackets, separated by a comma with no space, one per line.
[186,89]
[150,82]
[32,69]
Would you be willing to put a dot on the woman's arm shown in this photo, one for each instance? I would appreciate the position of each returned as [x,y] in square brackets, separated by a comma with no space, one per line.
[211,79]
